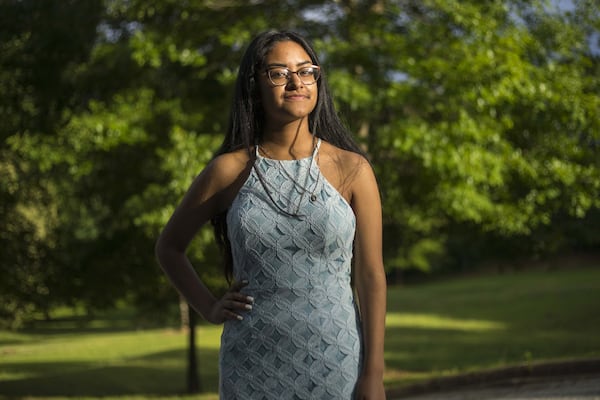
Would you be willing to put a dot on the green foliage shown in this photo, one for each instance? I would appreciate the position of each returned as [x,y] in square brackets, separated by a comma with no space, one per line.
[480,119]
[476,114]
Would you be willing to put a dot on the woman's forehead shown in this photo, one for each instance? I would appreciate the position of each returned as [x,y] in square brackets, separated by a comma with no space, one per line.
[288,53]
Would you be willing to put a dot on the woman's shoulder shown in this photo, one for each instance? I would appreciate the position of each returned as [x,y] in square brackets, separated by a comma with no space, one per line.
[232,161]
[347,160]
[234,158]
[344,169]
[356,176]
[229,167]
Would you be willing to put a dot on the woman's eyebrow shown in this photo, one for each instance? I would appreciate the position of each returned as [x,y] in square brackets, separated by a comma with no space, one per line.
[285,65]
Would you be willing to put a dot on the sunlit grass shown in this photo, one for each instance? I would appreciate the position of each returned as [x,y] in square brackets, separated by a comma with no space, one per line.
[82,364]
[435,329]
[468,324]
[432,321]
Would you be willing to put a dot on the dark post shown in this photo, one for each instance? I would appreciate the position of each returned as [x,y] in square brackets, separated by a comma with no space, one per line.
[193,378]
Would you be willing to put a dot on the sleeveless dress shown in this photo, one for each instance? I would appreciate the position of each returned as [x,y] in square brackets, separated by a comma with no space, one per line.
[291,234]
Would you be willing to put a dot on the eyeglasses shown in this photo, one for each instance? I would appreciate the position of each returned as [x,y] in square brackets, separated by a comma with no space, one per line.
[280,76]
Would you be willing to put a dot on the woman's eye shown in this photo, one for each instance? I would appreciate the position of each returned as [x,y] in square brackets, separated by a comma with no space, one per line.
[278,74]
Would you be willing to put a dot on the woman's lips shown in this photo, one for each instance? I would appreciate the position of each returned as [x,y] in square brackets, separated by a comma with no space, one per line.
[296,97]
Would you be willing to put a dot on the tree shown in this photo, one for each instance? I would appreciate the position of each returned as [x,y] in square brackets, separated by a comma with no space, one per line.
[480,119]
[36,63]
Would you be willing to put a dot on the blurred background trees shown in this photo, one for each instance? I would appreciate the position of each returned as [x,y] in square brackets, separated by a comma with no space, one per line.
[481,120]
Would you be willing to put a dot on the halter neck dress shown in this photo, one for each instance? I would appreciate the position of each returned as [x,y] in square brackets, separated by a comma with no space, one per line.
[291,236]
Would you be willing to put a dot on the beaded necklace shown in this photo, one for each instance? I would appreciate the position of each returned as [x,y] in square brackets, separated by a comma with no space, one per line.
[304,189]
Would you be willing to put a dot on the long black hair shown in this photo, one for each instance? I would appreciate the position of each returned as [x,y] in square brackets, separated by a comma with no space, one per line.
[247,118]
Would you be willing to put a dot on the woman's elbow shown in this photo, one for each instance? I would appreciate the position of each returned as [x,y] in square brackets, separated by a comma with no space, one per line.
[162,249]
[373,278]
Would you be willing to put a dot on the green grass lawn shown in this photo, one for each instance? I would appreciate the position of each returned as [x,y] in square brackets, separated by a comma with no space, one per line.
[433,329]
[476,323]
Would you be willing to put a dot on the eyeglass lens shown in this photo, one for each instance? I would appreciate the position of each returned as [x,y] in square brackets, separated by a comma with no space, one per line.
[280,75]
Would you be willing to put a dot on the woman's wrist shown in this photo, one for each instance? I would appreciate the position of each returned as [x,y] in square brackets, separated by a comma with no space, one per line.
[373,371]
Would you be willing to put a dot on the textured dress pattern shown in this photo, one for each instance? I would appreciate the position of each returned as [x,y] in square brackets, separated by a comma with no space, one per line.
[302,338]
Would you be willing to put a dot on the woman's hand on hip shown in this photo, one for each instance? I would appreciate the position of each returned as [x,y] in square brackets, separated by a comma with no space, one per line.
[231,304]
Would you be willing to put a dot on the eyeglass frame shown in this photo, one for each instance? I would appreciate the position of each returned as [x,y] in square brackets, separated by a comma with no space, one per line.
[290,72]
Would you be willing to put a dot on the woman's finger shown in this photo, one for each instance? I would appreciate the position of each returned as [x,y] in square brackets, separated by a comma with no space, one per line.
[240,305]
[237,286]
[231,315]
[239,297]
[233,301]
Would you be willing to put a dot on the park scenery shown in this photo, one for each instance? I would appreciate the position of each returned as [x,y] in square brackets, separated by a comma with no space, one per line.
[481,121]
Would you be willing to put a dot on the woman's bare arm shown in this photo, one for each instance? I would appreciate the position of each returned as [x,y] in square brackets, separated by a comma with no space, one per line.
[210,194]
[370,279]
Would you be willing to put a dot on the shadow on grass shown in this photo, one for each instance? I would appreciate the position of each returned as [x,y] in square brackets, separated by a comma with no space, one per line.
[114,321]
[161,373]
[15,341]
[426,350]
[469,324]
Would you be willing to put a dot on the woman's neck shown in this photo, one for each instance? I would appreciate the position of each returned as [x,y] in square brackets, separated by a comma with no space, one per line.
[288,141]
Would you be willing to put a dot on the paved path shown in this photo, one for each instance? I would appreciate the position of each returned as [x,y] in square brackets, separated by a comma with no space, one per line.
[577,387]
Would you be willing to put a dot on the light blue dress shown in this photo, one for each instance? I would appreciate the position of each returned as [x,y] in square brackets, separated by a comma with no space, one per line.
[302,338]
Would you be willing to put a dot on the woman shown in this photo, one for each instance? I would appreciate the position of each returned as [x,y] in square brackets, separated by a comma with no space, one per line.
[293,201]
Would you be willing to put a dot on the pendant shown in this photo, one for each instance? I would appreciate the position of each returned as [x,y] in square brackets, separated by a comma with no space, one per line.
[313,197]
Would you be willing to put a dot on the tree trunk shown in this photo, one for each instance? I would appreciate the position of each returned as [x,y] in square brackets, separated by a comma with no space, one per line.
[184,314]
[193,377]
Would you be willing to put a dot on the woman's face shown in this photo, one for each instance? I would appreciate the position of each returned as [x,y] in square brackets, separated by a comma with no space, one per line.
[293,100]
